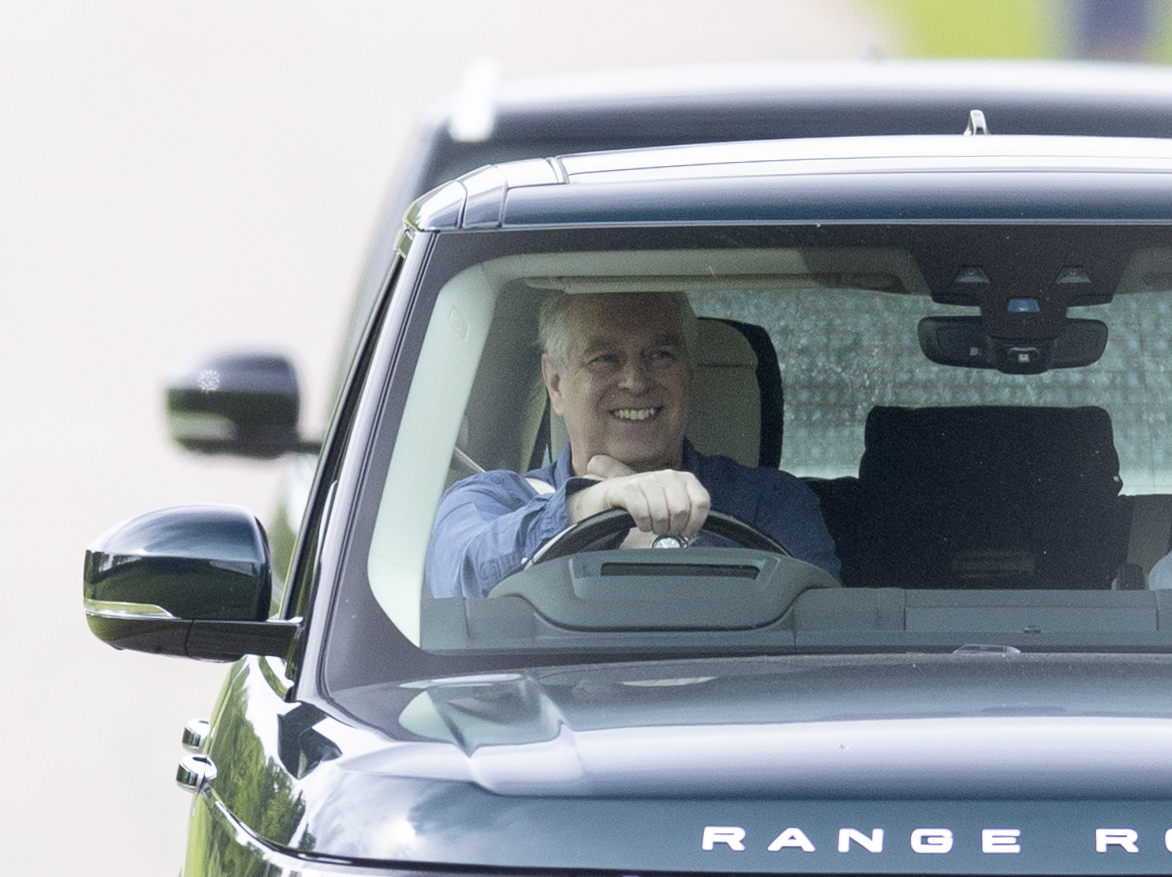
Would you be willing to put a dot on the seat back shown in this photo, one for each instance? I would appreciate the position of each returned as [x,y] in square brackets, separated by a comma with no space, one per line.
[737,402]
[989,497]
[736,395]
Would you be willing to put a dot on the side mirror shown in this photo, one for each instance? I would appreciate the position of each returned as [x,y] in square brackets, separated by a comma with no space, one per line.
[241,403]
[192,581]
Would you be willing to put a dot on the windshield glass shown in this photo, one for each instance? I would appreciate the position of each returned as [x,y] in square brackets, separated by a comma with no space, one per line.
[938,474]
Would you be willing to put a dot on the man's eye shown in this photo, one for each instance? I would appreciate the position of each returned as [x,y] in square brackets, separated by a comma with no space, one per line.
[663,357]
[603,359]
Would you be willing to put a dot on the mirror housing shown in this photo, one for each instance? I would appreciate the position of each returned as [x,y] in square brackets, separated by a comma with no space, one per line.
[193,581]
[964,341]
[241,403]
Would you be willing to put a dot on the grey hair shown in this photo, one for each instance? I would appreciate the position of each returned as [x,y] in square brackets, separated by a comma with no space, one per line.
[553,327]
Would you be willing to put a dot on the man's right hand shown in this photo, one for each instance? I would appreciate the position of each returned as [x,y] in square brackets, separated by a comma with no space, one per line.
[664,502]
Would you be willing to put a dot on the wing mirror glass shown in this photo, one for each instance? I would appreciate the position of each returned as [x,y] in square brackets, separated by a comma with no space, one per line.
[194,581]
[241,403]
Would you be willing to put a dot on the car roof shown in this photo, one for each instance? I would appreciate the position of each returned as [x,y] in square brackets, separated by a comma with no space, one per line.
[489,121]
[896,178]
[827,98]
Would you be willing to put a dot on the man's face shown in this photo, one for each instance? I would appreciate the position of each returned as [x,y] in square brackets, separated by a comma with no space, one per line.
[623,390]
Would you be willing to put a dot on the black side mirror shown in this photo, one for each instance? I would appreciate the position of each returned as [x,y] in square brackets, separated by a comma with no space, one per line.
[241,403]
[193,581]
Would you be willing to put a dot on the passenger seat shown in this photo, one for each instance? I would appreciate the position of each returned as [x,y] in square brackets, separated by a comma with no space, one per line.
[989,497]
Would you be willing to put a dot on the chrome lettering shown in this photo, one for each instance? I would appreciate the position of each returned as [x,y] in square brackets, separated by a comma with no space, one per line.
[791,837]
[1119,837]
[872,843]
[731,835]
[1000,840]
[931,840]
[927,841]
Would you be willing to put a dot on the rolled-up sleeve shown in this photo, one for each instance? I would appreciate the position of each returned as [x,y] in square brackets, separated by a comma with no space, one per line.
[485,529]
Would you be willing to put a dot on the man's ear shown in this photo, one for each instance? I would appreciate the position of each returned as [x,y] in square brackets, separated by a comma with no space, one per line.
[552,378]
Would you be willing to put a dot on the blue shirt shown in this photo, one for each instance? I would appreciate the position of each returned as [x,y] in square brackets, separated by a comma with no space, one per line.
[488,525]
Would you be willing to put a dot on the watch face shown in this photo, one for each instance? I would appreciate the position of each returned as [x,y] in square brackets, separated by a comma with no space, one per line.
[670,542]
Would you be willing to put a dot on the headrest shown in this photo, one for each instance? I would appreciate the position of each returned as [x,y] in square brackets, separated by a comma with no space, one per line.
[955,496]
[726,401]
[1064,450]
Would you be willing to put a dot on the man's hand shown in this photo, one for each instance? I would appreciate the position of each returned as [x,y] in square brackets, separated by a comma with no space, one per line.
[664,502]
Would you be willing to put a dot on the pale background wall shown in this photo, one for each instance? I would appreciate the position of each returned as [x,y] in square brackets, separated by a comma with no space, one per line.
[184,176]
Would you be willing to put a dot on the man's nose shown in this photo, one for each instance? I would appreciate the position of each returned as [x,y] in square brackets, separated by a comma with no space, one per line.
[635,375]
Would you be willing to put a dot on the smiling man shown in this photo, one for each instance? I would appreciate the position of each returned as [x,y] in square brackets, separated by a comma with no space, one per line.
[617,367]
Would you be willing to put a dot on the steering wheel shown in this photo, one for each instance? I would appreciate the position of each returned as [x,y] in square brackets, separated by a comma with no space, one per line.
[607,529]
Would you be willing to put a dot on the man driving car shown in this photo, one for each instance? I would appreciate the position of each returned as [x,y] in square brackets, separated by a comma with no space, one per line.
[617,368]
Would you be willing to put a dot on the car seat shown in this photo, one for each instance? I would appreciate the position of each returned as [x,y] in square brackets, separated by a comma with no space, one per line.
[988,497]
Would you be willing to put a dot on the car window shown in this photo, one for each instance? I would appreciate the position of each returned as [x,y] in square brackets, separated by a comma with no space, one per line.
[861,403]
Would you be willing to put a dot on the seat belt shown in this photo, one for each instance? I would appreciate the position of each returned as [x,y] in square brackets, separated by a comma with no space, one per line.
[542,488]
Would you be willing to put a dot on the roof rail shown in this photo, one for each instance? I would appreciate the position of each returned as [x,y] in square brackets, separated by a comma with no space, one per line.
[977,123]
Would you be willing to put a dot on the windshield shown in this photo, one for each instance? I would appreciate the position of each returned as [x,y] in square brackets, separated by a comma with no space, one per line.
[988,462]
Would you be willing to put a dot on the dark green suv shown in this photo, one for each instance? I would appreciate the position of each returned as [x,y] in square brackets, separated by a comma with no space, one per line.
[957,347]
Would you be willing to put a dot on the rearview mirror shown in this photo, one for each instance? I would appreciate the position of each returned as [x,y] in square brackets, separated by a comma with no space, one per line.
[963,341]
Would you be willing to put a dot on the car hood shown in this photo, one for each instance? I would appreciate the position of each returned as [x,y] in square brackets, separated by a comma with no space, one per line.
[969,762]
